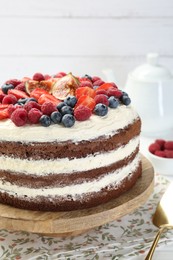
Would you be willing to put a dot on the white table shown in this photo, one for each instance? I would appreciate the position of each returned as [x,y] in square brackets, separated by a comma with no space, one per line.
[165,252]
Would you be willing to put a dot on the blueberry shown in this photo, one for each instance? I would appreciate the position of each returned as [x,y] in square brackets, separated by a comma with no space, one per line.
[113,102]
[100,109]
[6,87]
[45,120]
[71,101]
[31,99]
[126,100]
[60,105]
[56,117]
[68,120]
[66,110]
[22,101]
[87,77]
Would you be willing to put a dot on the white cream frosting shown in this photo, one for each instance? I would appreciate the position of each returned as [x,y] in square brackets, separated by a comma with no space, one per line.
[64,165]
[87,130]
[113,178]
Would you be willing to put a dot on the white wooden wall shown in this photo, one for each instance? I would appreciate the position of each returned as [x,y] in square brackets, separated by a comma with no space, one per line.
[83,36]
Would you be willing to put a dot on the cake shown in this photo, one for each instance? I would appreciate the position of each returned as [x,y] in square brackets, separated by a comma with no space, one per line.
[49,163]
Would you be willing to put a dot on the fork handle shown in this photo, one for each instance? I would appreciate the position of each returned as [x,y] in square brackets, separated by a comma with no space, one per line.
[155,242]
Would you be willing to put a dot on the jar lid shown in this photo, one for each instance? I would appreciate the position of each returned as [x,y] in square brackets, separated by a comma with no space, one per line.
[151,70]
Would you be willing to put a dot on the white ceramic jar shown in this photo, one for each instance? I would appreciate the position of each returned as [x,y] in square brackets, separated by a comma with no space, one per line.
[150,87]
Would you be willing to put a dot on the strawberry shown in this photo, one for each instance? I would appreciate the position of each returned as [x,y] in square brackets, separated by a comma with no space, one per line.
[2,95]
[84,91]
[3,106]
[82,113]
[4,113]
[48,97]
[168,145]
[105,86]
[154,147]
[86,101]
[37,92]
[18,93]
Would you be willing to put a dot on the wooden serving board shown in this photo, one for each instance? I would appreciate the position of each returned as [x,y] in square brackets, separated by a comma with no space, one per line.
[78,221]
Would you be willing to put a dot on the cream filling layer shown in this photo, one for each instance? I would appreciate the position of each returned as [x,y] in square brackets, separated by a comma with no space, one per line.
[114,178]
[64,165]
[87,130]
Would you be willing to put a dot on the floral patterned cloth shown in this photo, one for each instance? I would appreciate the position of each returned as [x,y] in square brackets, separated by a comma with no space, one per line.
[126,238]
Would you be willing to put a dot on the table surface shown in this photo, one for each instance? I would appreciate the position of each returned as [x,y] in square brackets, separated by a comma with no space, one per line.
[165,252]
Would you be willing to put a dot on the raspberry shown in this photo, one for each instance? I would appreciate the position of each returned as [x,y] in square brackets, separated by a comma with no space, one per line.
[14,82]
[82,113]
[31,104]
[86,83]
[9,99]
[19,117]
[154,147]
[101,91]
[161,143]
[60,75]
[101,98]
[2,95]
[38,76]
[169,153]
[168,145]
[21,87]
[48,107]
[12,108]
[47,76]
[114,92]
[34,115]
[98,82]
[160,153]
[95,78]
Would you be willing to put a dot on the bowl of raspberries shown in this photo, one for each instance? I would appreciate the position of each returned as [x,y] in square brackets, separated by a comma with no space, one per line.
[161,156]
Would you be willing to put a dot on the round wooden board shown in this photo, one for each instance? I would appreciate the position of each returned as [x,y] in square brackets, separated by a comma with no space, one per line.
[78,221]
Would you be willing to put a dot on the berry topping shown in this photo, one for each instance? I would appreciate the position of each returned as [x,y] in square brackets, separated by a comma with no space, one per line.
[38,76]
[86,101]
[85,91]
[60,75]
[9,99]
[18,93]
[68,120]
[82,113]
[66,110]
[2,95]
[4,113]
[168,145]
[14,82]
[86,83]
[60,105]
[47,108]
[6,87]
[12,108]
[48,97]
[113,102]
[105,86]
[70,101]
[125,100]
[95,78]
[101,91]
[114,92]
[37,92]
[34,115]
[21,87]
[45,120]
[19,117]
[56,117]
[98,82]
[101,109]
[31,104]
[101,98]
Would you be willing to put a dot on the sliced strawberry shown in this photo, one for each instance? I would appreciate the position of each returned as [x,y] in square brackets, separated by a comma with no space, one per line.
[85,91]
[105,86]
[3,106]
[86,101]
[4,114]
[48,97]
[37,92]
[18,93]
